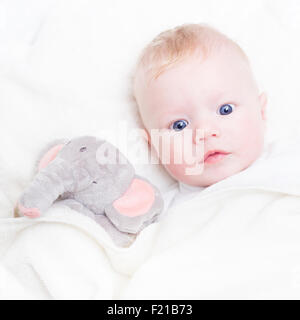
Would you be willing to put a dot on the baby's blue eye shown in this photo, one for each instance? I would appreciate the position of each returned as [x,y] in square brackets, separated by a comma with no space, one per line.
[179,125]
[226,109]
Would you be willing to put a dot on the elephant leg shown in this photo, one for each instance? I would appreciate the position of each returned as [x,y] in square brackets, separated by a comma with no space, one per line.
[122,239]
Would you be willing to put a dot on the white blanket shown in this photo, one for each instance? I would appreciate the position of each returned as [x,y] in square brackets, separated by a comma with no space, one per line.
[236,239]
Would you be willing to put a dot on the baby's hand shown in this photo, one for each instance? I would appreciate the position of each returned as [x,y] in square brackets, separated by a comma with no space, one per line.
[29,212]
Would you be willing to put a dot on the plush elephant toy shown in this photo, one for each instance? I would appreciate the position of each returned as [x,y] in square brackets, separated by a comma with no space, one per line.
[92,177]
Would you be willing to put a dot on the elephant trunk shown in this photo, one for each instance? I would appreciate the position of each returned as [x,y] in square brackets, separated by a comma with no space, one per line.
[46,187]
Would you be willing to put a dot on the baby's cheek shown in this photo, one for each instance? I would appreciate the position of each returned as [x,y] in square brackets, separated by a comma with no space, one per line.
[177,171]
[180,157]
[251,139]
[174,163]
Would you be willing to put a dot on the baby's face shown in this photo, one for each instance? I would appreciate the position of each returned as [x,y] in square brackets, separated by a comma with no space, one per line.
[217,96]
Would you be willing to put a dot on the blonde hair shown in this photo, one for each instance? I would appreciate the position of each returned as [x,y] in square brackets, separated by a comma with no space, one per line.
[173,45]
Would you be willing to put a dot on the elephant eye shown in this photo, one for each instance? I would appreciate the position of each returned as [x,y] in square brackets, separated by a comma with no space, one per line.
[83,149]
[95,182]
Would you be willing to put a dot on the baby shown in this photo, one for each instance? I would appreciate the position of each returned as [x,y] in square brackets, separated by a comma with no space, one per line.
[194,78]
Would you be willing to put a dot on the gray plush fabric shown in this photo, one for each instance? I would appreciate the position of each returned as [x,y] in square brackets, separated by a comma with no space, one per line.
[77,179]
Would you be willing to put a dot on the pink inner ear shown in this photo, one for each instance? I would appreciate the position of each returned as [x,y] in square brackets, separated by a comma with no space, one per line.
[49,156]
[137,200]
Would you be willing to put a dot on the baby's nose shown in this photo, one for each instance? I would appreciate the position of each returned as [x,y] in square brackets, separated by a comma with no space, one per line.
[206,133]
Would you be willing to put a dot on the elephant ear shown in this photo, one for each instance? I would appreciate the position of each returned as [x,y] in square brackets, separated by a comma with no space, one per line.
[49,156]
[50,153]
[141,205]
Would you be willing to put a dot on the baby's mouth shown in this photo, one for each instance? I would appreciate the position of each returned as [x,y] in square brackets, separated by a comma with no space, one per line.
[214,156]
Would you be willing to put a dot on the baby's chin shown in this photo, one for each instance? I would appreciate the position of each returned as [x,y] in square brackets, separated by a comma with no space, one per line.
[209,176]
[197,180]
[203,180]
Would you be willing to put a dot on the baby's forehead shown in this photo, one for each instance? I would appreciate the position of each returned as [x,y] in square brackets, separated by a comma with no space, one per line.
[227,62]
[217,70]
[222,73]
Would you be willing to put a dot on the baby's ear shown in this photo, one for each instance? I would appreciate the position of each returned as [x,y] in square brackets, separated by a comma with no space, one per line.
[263,101]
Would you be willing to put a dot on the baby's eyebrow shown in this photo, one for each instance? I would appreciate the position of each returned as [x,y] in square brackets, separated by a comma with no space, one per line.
[217,96]
[165,111]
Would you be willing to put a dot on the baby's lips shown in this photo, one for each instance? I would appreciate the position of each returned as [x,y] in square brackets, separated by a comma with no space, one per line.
[29,212]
